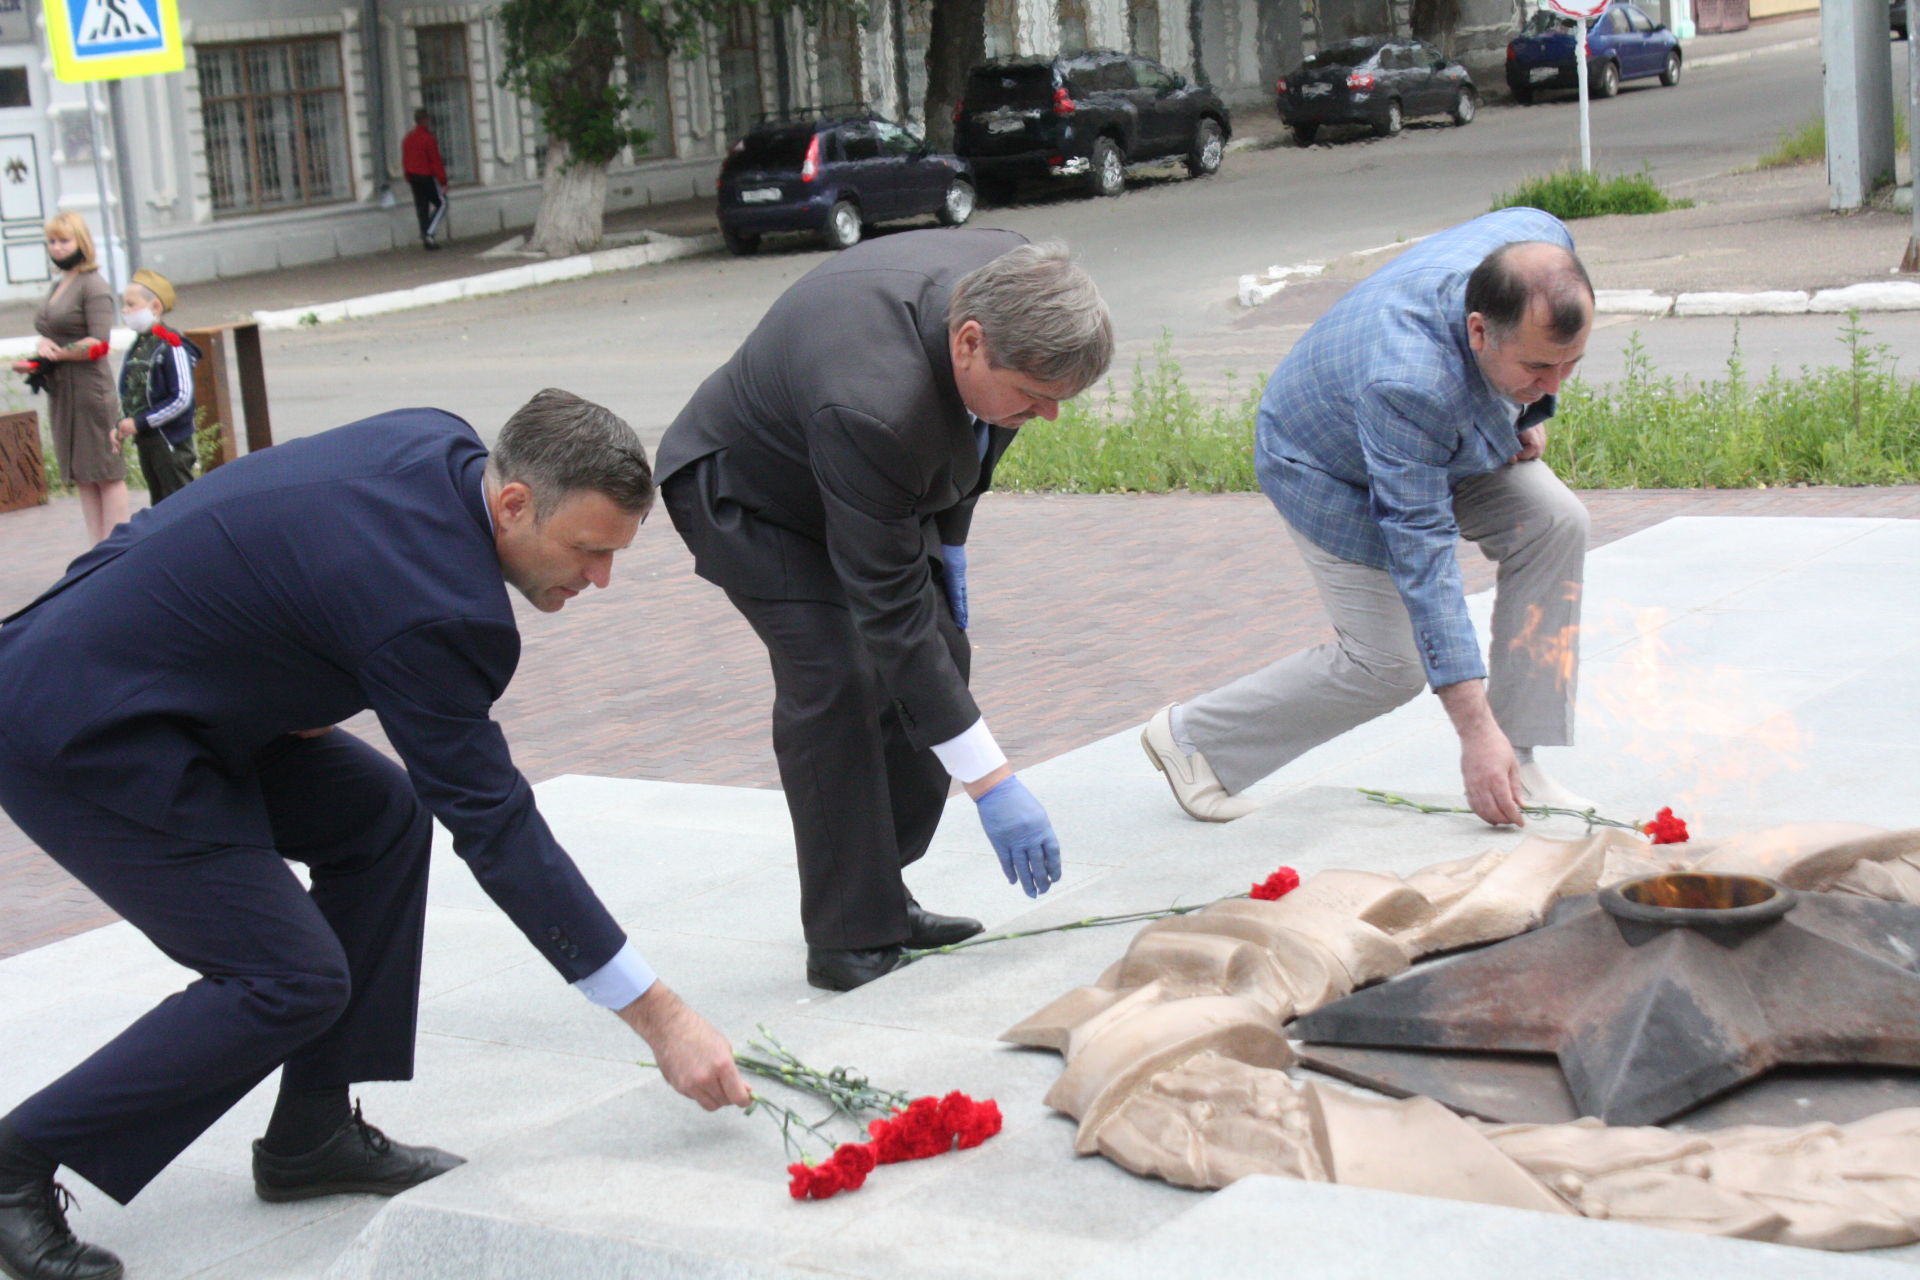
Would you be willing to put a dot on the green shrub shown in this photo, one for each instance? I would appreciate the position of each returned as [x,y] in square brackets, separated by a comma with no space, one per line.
[1570,195]
[1854,423]
[1809,141]
[1159,436]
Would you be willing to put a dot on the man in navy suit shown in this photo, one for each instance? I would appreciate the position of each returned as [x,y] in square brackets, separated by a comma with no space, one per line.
[163,737]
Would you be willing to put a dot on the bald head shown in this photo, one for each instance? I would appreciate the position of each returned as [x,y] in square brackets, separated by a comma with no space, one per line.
[1531,279]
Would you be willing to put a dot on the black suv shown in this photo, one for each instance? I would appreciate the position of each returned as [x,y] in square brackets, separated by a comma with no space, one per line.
[1084,115]
[833,173]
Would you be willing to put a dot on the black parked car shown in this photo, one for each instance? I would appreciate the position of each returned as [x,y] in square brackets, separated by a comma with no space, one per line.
[833,174]
[1084,115]
[1897,10]
[1374,81]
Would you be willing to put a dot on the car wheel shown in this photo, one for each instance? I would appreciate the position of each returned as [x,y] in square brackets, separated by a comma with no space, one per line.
[739,243]
[1391,125]
[843,225]
[1208,146]
[994,190]
[1466,106]
[1607,83]
[1523,96]
[1671,75]
[958,206]
[1108,177]
[1304,134]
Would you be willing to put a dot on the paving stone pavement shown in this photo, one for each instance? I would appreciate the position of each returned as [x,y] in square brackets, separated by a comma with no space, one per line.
[1089,613]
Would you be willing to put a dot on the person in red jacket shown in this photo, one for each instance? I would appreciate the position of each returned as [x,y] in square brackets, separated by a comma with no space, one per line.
[427,175]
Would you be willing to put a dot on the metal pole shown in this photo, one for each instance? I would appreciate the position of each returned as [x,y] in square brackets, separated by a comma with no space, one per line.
[106,196]
[123,176]
[1580,74]
[1911,262]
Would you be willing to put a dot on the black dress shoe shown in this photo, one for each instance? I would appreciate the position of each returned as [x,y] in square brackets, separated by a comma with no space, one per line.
[833,970]
[357,1158]
[35,1241]
[926,929]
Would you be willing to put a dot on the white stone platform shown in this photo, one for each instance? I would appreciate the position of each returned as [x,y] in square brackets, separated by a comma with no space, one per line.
[1745,671]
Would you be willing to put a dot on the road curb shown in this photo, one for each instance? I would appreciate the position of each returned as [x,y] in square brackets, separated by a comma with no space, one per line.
[1886,295]
[659,247]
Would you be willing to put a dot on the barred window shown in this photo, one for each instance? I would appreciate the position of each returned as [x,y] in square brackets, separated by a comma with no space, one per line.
[276,124]
[1073,25]
[652,94]
[446,91]
[740,68]
[838,45]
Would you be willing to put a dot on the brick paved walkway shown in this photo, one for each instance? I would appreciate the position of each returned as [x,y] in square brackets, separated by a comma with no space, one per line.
[1089,612]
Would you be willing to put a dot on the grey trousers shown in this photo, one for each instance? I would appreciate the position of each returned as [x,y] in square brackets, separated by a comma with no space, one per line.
[1523,518]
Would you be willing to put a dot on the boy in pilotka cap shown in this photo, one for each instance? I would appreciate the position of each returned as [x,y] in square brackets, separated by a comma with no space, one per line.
[156,386]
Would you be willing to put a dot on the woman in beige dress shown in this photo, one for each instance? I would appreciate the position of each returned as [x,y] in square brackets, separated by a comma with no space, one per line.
[82,405]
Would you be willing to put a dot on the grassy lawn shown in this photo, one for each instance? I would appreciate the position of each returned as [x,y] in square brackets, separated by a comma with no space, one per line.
[1855,423]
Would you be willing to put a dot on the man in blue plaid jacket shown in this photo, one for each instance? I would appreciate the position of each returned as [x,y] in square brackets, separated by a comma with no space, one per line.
[1410,415]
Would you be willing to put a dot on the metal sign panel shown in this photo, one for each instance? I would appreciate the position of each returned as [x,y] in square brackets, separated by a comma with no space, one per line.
[114,39]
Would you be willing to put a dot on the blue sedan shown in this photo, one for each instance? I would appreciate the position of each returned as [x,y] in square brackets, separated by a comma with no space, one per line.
[1622,44]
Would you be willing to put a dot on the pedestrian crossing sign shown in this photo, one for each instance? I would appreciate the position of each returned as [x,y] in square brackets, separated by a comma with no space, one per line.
[114,39]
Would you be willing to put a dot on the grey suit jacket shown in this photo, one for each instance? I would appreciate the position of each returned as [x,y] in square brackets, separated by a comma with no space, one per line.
[831,457]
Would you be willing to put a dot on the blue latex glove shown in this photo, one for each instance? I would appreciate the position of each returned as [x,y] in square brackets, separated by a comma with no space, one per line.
[955,562]
[1021,835]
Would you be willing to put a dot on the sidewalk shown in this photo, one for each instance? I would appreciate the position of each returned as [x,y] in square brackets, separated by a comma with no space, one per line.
[1153,598]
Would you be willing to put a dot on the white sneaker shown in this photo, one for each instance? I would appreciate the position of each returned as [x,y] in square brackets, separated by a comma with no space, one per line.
[1195,788]
[1542,792]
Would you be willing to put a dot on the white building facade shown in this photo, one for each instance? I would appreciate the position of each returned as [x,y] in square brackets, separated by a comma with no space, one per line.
[279,144]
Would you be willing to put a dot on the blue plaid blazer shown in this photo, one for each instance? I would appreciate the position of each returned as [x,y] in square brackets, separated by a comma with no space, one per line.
[1380,411]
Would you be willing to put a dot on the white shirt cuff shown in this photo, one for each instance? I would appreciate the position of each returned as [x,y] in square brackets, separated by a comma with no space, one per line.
[619,982]
[973,755]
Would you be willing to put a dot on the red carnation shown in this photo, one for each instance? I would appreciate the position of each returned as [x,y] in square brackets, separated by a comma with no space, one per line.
[982,1124]
[1665,828]
[855,1160]
[166,335]
[96,349]
[1281,883]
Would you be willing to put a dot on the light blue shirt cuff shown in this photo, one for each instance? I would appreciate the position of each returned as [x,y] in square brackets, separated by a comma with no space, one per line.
[620,981]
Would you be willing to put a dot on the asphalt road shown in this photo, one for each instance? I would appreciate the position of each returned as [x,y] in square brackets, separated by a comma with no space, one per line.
[1167,254]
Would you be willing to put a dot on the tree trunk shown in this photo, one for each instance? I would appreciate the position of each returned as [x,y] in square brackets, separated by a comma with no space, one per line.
[955,45]
[573,204]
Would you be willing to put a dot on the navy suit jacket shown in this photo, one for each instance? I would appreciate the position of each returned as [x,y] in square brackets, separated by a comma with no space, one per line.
[289,590]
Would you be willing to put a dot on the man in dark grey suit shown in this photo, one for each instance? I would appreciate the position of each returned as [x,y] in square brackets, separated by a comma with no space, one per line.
[825,477]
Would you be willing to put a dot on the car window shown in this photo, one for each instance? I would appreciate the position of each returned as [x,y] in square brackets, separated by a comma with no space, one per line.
[858,142]
[895,141]
[1638,20]
[1545,23]
[1023,85]
[1615,23]
[1151,75]
[1118,74]
[1343,55]
[1427,54]
[773,148]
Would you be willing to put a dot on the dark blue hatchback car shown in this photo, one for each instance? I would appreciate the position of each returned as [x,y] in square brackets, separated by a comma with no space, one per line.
[833,174]
[1622,44]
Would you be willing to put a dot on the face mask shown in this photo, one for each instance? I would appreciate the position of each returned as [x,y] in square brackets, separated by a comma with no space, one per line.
[69,262]
[139,321]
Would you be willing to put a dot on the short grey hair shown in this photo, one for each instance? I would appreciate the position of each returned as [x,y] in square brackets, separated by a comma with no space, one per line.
[558,444]
[1040,315]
